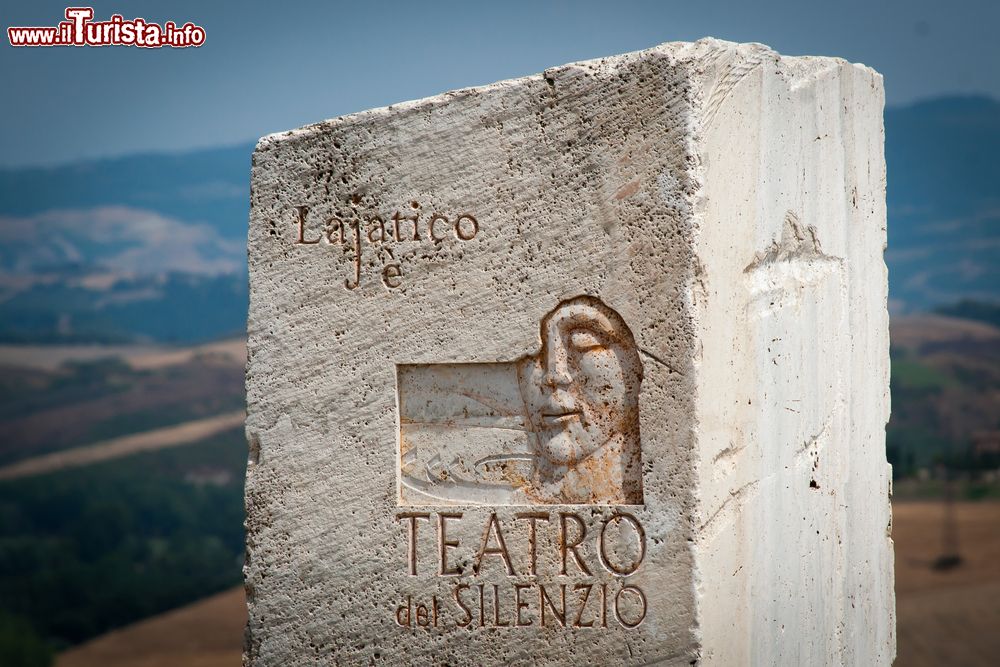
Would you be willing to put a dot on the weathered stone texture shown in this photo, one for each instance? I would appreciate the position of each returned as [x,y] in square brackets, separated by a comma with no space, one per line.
[681,250]
[792,542]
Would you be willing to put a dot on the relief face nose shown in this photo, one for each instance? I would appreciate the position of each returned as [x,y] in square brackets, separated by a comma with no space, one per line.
[557,370]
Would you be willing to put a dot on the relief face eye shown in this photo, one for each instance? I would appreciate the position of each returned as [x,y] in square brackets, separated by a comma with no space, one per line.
[582,340]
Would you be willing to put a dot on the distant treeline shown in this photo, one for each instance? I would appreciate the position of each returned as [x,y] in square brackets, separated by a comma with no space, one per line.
[87,550]
[969,309]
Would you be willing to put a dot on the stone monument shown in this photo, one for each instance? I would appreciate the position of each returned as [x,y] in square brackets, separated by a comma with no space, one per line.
[585,367]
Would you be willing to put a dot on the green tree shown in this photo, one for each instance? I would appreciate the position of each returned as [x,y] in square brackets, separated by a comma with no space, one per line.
[20,645]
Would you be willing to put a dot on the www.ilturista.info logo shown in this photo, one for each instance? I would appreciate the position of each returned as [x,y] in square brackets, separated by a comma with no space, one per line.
[80,30]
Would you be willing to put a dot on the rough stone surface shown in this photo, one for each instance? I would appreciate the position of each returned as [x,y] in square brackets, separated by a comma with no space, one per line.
[589,366]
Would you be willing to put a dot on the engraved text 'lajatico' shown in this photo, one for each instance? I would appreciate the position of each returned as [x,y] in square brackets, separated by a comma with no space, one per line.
[383,234]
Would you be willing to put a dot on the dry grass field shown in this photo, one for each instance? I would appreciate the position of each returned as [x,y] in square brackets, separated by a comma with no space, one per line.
[171,436]
[50,357]
[915,331]
[208,633]
[944,618]
[947,617]
[47,409]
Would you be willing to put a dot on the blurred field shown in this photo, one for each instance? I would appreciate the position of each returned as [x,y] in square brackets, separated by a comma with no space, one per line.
[51,357]
[945,396]
[208,633]
[915,331]
[947,617]
[89,549]
[121,479]
[943,618]
[88,397]
[171,436]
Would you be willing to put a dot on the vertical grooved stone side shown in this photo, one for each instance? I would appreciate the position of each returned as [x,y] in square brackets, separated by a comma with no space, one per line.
[792,369]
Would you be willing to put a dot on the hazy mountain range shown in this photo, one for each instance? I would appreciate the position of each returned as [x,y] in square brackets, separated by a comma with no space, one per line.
[152,246]
[144,247]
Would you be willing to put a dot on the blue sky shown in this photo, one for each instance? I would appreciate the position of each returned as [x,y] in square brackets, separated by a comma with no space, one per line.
[270,66]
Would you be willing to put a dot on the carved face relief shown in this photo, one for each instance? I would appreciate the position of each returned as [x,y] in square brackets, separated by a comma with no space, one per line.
[581,393]
[560,425]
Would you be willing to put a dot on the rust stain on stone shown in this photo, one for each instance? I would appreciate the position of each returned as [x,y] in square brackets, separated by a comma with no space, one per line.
[627,190]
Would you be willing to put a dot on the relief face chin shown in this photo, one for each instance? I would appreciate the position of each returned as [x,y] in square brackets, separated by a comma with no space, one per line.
[581,390]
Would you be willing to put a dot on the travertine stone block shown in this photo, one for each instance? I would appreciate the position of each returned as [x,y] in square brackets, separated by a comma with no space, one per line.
[585,367]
